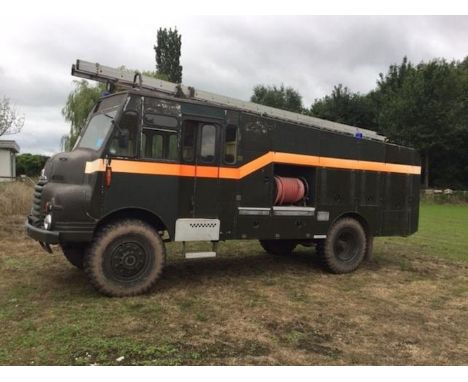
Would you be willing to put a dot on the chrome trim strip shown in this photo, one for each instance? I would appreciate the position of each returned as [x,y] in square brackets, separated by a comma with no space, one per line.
[254,211]
[293,211]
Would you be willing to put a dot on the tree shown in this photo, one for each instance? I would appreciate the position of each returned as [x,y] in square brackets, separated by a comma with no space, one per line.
[77,108]
[30,164]
[10,121]
[424,106]
[281,98]
[343,106]
[168,50]
[154,74]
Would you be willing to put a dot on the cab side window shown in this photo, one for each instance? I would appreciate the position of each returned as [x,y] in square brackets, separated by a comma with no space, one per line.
[208,143]
[159,137]
[159,144]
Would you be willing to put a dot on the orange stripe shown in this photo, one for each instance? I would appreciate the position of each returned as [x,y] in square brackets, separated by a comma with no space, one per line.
[153,168]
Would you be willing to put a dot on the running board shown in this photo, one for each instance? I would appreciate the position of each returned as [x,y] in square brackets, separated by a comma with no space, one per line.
[199,255]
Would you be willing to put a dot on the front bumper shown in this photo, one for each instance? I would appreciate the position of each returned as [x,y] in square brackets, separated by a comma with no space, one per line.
[69,233]
[42,235]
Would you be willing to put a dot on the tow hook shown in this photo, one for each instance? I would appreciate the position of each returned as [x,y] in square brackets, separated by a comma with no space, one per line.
[45,247]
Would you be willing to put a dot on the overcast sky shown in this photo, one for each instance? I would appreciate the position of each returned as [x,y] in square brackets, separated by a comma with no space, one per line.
[227,55]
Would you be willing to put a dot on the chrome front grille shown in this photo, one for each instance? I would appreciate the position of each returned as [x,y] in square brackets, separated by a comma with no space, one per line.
[37,212]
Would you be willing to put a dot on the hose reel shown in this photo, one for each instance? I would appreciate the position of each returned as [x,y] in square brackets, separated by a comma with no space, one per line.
[290,190]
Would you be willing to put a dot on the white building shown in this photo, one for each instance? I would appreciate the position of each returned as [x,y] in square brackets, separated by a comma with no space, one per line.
[8,151]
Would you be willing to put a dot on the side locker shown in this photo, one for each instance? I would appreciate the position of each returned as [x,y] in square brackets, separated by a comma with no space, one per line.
[254,198]
[372,186]
[256,187]
[337,185]
[395,208]
[230,161]
[414,181]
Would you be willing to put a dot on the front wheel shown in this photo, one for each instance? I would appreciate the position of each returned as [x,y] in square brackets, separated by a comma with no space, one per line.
[125,259]
[74,253]
[345,246]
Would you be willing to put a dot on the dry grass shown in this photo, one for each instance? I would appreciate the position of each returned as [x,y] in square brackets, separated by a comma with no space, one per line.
[15,198]
[245,307]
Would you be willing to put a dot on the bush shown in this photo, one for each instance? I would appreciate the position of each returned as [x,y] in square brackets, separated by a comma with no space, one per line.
[444,197]
[30,164]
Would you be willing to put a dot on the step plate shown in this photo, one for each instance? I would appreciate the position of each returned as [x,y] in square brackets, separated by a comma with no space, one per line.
[199,255]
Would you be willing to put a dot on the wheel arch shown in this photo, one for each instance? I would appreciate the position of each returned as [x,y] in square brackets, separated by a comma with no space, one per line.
[356,216]
[136,213]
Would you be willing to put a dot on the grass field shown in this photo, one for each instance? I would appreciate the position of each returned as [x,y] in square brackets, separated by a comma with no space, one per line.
[408,305]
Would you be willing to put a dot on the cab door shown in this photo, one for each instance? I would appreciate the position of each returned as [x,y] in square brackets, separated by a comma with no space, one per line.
[200,157]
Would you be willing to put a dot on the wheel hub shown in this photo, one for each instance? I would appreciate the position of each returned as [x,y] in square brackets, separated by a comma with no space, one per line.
[346,246]
[128,259]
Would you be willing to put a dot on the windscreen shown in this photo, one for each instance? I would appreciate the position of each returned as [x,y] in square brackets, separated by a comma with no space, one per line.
[97,130]
[101,122]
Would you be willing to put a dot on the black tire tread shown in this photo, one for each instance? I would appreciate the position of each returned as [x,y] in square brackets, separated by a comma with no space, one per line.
[329,259]
[102,239]
[75,254]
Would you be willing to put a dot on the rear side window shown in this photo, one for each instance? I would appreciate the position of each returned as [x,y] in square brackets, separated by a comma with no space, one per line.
[188,141]
[230,144]
[208,143]
[199,140]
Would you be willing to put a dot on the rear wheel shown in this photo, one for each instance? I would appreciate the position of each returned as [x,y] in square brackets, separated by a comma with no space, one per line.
[345,246]
[278,247]
[125,259]
[74,253]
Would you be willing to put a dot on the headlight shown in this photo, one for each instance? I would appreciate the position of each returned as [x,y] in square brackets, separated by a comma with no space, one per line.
[43,174]
[48,222]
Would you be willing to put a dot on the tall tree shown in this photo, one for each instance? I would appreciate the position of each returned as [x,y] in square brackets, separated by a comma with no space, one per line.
[10,121]
[77,108]
[168,50]
[279,97]
[346,107]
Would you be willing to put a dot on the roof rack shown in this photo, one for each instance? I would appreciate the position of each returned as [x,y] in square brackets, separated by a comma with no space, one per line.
[133,79]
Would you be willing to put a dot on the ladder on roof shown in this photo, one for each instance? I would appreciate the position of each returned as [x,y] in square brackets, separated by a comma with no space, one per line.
[132,79]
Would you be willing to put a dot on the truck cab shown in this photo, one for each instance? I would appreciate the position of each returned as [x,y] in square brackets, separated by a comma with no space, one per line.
[135,165]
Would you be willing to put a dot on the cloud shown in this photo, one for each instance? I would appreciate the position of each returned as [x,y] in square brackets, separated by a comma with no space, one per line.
[42,130]
[226,55]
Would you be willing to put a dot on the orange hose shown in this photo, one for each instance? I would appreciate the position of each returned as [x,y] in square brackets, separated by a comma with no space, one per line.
[289,190]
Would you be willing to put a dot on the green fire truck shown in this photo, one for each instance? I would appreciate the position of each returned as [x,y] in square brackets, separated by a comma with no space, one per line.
[160,162]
